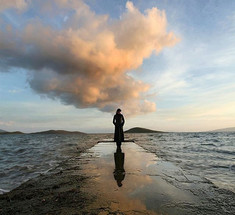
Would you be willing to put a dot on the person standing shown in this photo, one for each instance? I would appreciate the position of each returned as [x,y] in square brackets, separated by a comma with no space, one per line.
[118,121]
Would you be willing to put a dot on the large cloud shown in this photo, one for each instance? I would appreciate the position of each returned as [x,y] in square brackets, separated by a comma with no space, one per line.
[85,61]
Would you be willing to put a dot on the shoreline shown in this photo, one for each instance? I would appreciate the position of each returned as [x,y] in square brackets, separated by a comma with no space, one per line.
[27,157]
[47,194]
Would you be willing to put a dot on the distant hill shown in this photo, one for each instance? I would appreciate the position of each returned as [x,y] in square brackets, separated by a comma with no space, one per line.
[11,132]
[141,130]
[231,129]
[58,132]
[2,131]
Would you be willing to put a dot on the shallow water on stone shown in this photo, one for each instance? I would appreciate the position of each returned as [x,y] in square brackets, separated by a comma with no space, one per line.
[210,155]
[131,179]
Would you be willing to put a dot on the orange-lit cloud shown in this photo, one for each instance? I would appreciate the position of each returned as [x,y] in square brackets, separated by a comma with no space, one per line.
[85,62]
[17,4]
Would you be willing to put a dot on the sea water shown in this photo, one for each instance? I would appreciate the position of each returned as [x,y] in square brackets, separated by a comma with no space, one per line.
[26,156]
[210,155]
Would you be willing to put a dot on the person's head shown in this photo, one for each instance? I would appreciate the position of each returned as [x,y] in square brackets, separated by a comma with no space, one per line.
[118,111]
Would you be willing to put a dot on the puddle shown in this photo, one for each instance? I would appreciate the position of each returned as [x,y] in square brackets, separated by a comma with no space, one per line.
[131,180]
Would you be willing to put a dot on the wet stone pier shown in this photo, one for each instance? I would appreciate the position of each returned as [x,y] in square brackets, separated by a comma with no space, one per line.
[110,180]
[130,180]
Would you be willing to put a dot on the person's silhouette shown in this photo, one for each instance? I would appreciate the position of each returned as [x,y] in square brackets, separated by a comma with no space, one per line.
[118,121]
[119,172]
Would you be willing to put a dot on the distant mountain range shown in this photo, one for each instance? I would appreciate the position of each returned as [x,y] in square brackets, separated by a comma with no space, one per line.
[2,131]
[43,132]
[10,132]
[58,132]
[141,130]
[231,129]
[132,130]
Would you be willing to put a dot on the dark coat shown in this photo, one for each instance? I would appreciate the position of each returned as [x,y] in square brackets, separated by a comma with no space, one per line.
[118,121]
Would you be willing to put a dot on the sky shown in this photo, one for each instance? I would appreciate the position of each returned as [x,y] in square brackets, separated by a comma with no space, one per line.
[69,64]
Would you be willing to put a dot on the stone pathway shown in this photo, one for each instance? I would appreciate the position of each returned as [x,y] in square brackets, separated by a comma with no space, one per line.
[132,181]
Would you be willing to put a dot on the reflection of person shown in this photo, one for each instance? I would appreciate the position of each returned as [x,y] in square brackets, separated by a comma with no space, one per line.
[118,121]
[119,172]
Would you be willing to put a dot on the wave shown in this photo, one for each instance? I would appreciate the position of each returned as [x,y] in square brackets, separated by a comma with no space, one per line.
[224,152]
[208,144]
[220,167]
[3,191]
[21,150]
